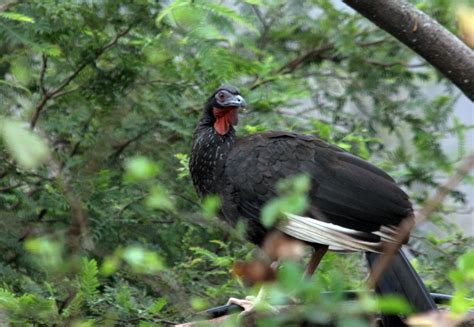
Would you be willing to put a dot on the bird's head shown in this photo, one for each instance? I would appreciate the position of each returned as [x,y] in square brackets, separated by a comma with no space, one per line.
[223,106]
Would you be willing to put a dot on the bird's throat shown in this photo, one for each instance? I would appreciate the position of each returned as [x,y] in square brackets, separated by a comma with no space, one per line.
[225,118]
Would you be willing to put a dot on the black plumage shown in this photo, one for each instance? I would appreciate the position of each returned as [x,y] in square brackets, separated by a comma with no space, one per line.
[354,205]
[346,191]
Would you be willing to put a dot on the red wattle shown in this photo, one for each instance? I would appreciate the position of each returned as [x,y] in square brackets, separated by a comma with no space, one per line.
[224,119]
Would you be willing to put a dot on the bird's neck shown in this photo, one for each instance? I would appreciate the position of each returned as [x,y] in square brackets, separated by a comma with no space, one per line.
[208,156]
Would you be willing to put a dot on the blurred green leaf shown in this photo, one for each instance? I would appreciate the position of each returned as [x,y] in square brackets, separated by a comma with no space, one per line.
[142,261]
[211,206]
[47,253]
[140,169]
[17,17]
[157,306]
[159,198]
[28,149]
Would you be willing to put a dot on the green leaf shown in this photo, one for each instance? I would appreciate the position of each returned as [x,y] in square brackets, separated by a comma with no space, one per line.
[140,169]
[74,307]
[46,252]
[18,86]
[84,323]
[17,17]
[393,304]
[289,276]
[157,306]
[227,13]
[254,2]
[199,304]
[460,303]
[110,265]
[465,263]
[159,198]
[142,261]
[27,148]
[7,299]
[183,170]
[169,9]
[294,200]
[211,205]
[88,280]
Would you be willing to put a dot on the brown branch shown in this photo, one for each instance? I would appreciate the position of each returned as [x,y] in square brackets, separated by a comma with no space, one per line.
[57,92]
[405,228]
[7,5]
[77,234]
[39,107]
[44,66]
[309,56]
[121,147]
[396,63]
[126,206]
[371,43]
[63,93]
[313,55]
[11,187]
[425,36]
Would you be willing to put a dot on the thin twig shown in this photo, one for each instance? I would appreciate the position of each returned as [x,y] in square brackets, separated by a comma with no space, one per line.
[396,63]
[121,147]
[63,93]
[57,92]
[11,187]
[309,56]
[44,66]
[126,206]
[375,42]
[405,228]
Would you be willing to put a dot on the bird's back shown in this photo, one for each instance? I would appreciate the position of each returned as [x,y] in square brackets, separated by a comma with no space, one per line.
[346,191]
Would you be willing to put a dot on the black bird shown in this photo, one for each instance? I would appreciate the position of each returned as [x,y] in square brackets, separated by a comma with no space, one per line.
[355,206]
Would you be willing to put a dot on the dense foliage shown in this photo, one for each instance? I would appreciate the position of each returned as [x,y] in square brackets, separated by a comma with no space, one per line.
[99,99]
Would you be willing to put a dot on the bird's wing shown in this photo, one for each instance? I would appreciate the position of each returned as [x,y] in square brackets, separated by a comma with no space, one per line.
[350,198]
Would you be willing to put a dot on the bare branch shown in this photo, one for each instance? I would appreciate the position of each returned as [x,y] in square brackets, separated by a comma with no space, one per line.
[63,93]
[121,147]
[405,228]
[396,63]
[370,43]
[309,56]
[425,36]
[44,66]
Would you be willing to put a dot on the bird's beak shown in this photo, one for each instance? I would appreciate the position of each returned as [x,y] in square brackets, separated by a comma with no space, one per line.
[235,101]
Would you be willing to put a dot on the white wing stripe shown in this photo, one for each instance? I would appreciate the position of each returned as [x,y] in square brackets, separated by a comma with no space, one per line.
[336,237]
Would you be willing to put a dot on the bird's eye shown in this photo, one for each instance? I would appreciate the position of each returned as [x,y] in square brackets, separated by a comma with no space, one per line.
[221,95]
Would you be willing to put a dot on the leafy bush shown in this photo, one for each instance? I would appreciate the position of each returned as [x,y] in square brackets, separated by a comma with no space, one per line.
[99,99]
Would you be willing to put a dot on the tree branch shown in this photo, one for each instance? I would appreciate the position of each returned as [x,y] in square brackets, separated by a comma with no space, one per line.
[57,92]
[44,66]
[396,63]
[309,56]
[121,147]
[5,6]
[425,36]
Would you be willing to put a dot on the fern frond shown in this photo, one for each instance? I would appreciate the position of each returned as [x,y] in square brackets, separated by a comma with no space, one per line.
[74,307]
[227,13]
[88,280]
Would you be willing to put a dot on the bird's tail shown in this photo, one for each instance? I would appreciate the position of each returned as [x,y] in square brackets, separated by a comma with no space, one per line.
[401,278]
